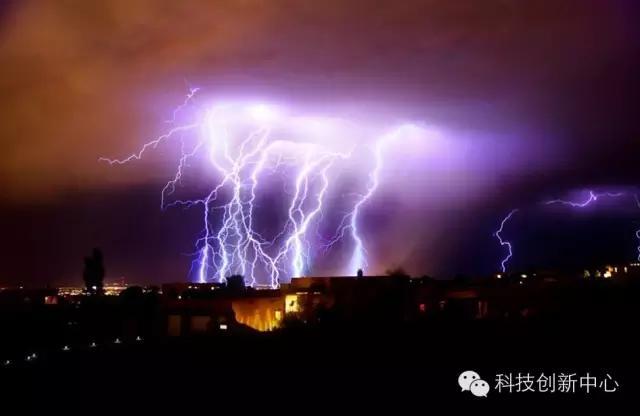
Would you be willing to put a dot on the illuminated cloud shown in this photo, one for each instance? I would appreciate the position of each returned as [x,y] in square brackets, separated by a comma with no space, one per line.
[524,96]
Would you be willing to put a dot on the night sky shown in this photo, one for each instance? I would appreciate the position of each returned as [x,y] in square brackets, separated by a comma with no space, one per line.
[535,100]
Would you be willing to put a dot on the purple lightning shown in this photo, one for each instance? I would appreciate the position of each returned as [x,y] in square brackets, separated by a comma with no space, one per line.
[593,197]
[503,263]
[187,100]
[230,242]
[349,223]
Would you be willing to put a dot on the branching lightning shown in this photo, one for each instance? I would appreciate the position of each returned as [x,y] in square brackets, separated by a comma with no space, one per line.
[593,197]
[349,223]
[230,242]
[505,260]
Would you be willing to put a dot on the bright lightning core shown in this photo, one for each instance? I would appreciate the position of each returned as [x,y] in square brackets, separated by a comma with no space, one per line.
[251,147]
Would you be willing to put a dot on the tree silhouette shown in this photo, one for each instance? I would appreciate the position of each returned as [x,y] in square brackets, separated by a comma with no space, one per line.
[235,284]
[93,274]
[397,272]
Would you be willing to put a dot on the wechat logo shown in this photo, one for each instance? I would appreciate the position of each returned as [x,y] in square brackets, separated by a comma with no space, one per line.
[471,381]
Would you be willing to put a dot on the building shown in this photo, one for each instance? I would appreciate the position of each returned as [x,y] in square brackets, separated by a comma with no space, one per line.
[200,308]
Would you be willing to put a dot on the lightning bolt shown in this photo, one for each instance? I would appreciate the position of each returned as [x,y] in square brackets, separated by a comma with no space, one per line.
[593,197]
[230,242]
[505,260]
[349,223]
[297,244]
[189,97]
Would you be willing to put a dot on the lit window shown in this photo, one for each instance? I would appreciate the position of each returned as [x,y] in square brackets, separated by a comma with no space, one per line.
[291,304]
